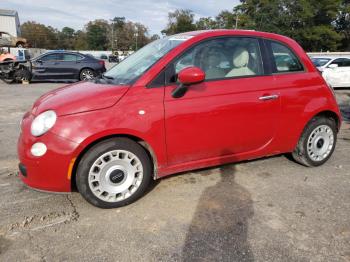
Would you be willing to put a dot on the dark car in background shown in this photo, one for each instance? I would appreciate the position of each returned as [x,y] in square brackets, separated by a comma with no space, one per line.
[67,66]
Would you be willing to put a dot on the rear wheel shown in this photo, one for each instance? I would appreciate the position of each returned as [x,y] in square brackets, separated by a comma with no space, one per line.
[114,173]
[317,143]
[22,75]
[87,74]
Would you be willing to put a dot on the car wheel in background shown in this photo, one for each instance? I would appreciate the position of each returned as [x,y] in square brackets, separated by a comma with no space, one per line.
[317,142]
[87,74]
[8,80]
[114,173]
[22,75]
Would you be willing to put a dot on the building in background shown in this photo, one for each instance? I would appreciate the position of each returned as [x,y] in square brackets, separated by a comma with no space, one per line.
[9,22]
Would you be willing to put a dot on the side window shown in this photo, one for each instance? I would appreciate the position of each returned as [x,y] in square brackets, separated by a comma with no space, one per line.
[341,62]
[338,61]
[346,63]
[285,60]
[50,57]
[69,57]
[223,58]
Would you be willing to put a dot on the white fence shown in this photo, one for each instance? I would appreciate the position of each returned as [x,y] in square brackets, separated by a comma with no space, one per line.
[34,52]
[330,54]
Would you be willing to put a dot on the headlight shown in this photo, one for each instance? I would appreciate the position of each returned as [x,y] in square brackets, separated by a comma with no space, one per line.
[43,122]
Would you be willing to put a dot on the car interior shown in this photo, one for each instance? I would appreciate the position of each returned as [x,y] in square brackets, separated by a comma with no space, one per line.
[224,58]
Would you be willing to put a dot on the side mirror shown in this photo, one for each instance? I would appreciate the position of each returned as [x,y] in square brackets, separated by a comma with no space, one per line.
[188,76]
[39,61]
[332,66]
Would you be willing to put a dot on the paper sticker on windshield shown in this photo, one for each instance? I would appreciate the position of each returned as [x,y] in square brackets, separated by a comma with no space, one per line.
[180,37]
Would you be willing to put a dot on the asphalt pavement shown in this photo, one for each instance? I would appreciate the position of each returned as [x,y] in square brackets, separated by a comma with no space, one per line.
[270,209]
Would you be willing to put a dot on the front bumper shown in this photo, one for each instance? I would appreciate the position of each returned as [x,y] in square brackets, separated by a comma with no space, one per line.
[49,172]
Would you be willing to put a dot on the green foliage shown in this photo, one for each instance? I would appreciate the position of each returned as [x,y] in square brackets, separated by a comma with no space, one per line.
[206,23]
[225,19]
[310,22]
[97,35]
[342,24]
[316,24]
[66,38]
[80,41]
[39,35]
[179,21]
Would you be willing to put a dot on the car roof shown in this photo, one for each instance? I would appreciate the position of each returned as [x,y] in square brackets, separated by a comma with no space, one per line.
[217,32]
[62,52]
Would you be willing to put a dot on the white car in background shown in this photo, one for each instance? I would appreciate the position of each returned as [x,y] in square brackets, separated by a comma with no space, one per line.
[336,71]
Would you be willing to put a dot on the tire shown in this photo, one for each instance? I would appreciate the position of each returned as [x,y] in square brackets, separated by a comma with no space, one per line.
[317,142]
[8,80]
[86,74]
[114,173]
[22,75]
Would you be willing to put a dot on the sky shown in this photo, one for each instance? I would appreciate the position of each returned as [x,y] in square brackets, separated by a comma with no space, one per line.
[76,13]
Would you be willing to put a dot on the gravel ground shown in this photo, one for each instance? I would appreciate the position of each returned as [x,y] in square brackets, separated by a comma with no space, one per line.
[264,210]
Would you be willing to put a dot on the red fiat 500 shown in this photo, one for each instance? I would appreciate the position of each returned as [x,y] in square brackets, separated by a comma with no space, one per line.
[183,102]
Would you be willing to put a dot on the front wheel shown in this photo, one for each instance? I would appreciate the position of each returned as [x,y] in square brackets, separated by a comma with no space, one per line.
[114,173]
[317,143]
[86,74]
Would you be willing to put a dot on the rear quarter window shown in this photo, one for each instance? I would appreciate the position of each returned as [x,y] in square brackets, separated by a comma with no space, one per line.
[284,60]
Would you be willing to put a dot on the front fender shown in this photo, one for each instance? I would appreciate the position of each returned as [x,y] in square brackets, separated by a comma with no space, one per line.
[89,127]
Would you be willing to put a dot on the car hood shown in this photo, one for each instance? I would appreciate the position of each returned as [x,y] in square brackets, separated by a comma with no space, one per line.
[78,98]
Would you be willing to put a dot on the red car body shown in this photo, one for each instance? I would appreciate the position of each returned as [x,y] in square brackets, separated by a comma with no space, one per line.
[216,122]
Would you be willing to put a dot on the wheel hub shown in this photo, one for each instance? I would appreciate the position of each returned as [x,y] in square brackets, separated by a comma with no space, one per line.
[320,143]
[117,176]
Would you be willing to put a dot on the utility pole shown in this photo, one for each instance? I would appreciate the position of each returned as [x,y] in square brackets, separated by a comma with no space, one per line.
[112,20]
[136,35]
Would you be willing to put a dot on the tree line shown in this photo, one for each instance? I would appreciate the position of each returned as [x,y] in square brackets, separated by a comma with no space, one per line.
[117,34]
[318,25]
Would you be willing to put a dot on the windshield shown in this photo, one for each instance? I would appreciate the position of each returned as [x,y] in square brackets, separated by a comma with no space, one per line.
[320,61]
[130,69]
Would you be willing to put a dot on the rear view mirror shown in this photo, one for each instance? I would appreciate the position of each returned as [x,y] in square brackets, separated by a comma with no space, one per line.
[332,66]
[188,76]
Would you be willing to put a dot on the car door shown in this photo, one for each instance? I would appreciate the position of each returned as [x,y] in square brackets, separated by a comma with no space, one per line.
[233,111]
[46,66]
[68,67]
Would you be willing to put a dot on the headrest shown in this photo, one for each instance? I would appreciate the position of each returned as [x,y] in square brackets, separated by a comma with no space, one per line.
[240,57]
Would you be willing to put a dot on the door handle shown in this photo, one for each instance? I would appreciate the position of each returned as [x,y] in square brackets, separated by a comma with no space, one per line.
[269,97]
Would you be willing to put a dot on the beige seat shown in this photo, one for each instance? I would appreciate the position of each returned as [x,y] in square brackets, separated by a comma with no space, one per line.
[240,62]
